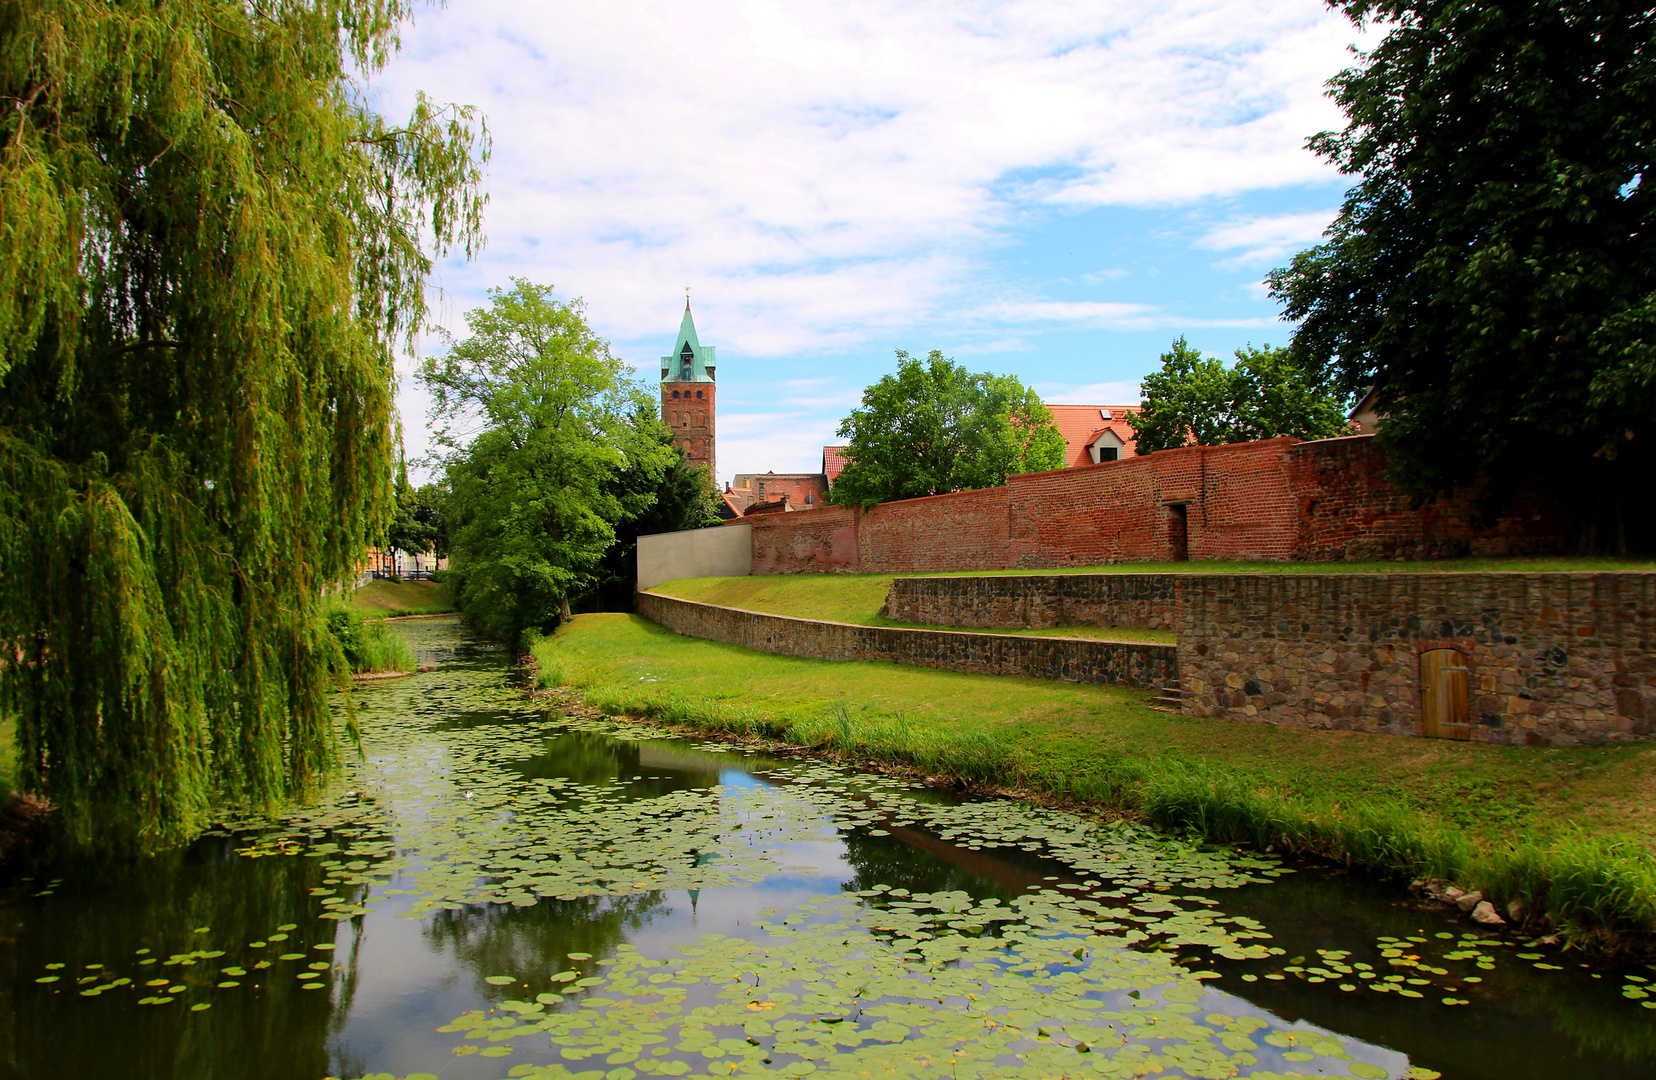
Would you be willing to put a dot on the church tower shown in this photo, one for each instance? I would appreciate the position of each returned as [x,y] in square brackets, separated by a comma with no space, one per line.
[687,395]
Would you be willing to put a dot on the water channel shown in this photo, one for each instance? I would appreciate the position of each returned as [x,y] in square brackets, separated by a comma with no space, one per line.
[493,891]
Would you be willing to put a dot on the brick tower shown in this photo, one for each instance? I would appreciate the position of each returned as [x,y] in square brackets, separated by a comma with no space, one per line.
[687,395]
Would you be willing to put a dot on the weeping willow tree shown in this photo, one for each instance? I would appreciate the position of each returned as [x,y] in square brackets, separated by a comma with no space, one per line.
[210,249]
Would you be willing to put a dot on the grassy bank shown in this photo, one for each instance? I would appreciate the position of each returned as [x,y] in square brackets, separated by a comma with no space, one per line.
[857,598]
[383,598]
[851,598]
[1568,832]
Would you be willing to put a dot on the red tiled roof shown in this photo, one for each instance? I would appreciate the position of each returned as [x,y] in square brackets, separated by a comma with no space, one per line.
[1081,424]
[834,461]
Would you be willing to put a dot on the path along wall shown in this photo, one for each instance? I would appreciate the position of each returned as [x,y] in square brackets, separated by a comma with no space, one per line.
[1145,601]
[1069,659]
[1557,659]
[1277,499]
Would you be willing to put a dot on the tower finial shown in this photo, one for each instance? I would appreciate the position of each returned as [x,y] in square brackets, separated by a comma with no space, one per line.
[687,298]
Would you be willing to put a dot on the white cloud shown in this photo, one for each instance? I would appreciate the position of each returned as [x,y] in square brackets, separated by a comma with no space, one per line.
[824,173]
[782,441]
[1267,239]
[832,178]
[1114,392]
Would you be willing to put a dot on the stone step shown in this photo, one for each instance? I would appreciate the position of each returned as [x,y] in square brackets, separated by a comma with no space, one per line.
[1170,695]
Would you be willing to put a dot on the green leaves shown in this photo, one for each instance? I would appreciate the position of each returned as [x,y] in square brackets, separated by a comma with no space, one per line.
[212,248]
[1195,399]
[934,427]
[1493,272]
[531,503]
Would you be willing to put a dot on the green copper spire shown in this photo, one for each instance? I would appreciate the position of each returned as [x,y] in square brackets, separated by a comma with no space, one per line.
[690,360]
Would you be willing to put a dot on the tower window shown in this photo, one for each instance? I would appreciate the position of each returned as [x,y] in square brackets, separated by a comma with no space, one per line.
[675,395]
[698,395]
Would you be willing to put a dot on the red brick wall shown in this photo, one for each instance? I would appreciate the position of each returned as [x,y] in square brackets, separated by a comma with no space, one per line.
[691,419]
[966,529]
[811,541]
[1348,509]
[1277,499]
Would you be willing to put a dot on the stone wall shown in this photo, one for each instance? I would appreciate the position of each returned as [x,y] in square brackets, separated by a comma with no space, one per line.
[1144,601]
[1069,659]
[1557,659]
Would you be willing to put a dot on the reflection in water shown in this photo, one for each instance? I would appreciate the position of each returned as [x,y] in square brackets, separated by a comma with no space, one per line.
[462,792]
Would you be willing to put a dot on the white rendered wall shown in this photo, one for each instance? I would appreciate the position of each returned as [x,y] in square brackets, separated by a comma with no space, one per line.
[722,551]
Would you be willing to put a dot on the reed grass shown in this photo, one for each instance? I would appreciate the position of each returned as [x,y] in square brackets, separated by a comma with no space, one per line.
[8,755]
[1567,832]
[369,645]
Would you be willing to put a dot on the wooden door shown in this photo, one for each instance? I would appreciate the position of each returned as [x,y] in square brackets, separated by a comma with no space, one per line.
[1445,694]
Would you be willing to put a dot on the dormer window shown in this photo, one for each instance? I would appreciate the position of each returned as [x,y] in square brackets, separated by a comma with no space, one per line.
[1106,446]
[685,354]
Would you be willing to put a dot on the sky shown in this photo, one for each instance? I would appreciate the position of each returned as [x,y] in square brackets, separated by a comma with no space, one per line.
[1043,188]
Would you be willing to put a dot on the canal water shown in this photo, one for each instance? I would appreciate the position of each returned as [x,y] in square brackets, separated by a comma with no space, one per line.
[493,891]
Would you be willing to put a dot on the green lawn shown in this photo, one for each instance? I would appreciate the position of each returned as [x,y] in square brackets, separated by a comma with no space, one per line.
[384,598]
[1571,831]
[852,598]
[8,755]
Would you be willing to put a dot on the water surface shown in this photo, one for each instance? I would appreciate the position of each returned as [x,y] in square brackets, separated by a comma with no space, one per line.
[494,891]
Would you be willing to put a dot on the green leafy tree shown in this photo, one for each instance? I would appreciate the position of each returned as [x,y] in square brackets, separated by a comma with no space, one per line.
[934,427]
[1196,399]
[415,526]
[533,498]
[1493,272]
[209,249]
[683,499]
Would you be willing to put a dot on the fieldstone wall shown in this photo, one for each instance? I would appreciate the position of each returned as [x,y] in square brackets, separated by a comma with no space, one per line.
[1144,601]
[1558,659]
[1069,659]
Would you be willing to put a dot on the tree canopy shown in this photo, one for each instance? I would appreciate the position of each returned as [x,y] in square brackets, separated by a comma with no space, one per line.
[210,248]
[547,444]
[1196,399]
[934,427]
[1493,271]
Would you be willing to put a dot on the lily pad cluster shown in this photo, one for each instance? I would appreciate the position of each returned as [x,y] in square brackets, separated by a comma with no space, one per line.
[915,987]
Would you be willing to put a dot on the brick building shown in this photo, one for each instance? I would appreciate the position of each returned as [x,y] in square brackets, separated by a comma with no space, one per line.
[687,404]
[1094,433]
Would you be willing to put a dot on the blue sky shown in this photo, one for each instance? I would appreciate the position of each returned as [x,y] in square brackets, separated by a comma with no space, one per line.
[1046,188]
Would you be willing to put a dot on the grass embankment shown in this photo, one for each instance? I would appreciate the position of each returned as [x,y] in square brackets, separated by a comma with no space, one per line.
[854,598]
[857,598]
[1569,832]
[384,599]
